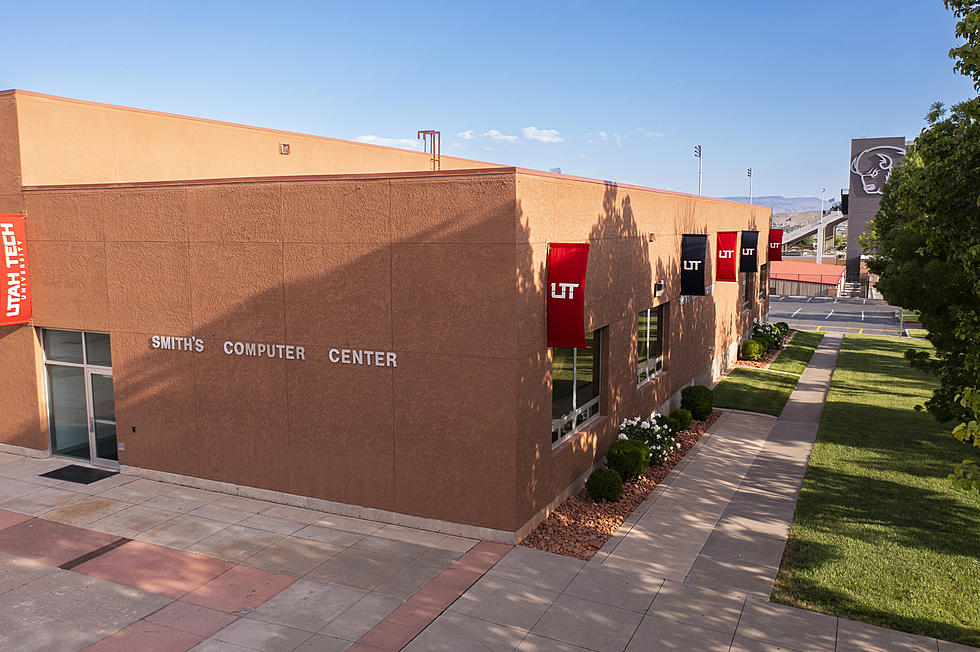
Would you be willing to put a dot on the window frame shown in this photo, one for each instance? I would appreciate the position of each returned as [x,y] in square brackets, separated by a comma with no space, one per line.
[747,292]
[643,374]
[579,416]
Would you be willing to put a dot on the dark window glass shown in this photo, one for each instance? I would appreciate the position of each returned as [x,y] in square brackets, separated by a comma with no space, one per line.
[575,386]
[649,342]
[97,349]
[62,346]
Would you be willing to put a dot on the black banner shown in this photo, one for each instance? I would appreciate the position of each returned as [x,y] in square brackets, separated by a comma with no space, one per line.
[748,261]
[694,249]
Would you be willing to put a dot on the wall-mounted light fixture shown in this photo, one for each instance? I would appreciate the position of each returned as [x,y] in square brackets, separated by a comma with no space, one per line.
[659,288]
[284,149]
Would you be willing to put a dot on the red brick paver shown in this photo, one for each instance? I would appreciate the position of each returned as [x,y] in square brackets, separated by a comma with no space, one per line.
[49,542]
[241,586]
[11,518]
[192,618]
[144,635]
[153,568]
[407,621]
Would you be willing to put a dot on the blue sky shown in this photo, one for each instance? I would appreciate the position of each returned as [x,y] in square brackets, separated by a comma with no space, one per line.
[619,91]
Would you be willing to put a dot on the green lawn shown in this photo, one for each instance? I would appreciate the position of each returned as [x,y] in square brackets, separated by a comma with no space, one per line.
[877,536]
[796,356]
[754,390]
[910,315]
[917,332]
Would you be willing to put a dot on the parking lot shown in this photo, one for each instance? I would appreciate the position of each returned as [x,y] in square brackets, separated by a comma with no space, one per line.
[834,314]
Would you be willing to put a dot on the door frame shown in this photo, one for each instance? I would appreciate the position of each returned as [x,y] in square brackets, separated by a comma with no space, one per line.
[87,371]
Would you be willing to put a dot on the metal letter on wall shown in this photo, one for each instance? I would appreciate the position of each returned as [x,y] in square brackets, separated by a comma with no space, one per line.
[566,293]
[694,249]
[725,267]
[16,304]
[748,260]
[775,245]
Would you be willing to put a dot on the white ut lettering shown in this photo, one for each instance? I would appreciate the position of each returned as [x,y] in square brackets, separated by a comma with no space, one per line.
[567,290]
[775,245]
[725,253]
[748,252]
[692,265]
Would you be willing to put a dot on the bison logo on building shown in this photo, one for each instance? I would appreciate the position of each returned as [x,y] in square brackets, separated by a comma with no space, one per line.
[875,166]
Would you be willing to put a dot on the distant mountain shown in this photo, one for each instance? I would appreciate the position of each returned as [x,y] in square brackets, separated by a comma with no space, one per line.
[781,204]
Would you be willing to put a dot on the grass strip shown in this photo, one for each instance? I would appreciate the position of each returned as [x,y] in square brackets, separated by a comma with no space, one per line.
[754,390]
[796,356]
[877,536]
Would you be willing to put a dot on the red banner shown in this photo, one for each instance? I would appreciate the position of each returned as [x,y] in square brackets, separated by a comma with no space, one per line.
[725,256]
[16,282]
[566,294]
[775,244]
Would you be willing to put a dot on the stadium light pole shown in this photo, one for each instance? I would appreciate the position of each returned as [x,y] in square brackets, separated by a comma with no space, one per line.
[750,185]
[697,155]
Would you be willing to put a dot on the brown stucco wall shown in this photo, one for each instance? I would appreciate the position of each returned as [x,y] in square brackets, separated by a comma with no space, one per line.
[67,141]
[623,266]
[21,394]
[422,266]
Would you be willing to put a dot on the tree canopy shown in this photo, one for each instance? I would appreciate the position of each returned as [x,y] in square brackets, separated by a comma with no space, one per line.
[925,243]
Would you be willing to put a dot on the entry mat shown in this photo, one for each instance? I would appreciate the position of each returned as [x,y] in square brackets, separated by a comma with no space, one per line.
[79,474]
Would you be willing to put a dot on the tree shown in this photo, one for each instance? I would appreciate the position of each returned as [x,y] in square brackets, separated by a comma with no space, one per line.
[925,244]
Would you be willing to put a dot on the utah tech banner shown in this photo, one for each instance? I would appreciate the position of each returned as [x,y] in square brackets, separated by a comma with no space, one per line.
[749,260]
[16,302]
[775,244]
[725,265]
[566,294]
[694,250]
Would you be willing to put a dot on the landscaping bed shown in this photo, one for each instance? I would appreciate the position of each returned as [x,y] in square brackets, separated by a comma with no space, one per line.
[767,358]
[579,526]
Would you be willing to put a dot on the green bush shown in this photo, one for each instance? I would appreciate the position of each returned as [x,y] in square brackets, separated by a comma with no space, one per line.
[752,350]
[604,484]
[783,327]
[644,453]
[698,400]
[627,459]
[682,417]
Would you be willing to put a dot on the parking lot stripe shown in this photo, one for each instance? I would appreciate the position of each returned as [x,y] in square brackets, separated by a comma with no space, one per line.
[794,314]
[829,314]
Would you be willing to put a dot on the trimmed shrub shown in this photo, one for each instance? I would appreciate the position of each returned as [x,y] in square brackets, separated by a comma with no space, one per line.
[604,484]
[783,327]
[626,458]
[698,400]
[769,335]
[644,452]
[682,417]
[752,350]
[657,433]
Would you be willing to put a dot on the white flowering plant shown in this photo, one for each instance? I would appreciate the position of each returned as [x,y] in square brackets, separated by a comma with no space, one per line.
[769,335]
[655,431]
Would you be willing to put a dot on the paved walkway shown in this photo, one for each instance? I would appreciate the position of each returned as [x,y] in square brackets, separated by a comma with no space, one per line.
[126,564]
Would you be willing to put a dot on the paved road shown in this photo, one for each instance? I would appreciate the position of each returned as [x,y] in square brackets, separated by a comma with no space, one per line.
[843,315]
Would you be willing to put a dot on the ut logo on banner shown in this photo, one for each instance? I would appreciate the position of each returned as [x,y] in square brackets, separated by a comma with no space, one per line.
[567,290]
[726,253]
[775,245]
[692,265]
[748,252]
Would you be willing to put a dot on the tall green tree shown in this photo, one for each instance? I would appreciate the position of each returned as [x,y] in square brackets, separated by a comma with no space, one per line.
[925,244]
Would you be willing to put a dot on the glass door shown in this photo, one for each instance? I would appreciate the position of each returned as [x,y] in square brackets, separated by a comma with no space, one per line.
[81,409]
[102,418]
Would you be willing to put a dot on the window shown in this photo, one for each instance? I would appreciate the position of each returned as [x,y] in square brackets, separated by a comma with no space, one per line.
[749,289]
[649,343]
[763,281]
[575,383]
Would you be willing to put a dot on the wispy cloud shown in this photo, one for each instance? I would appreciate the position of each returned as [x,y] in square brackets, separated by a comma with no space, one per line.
[466,135]
[620,139]
[596,136]
[541,135]
[404,143]
[649,133]
[493,134]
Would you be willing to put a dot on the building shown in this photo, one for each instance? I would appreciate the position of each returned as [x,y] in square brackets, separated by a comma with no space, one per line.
[794,278]
[340,327]
[872,163]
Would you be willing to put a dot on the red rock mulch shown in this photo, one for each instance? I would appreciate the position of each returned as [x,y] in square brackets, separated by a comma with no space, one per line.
[766,360]
[579,527]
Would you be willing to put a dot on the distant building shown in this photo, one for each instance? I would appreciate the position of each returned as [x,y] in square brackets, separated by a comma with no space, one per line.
[872,162]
